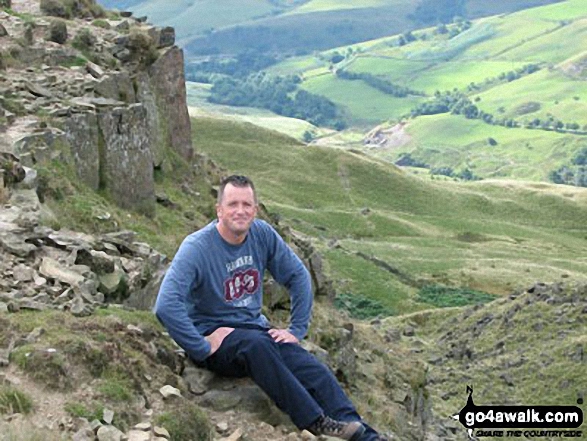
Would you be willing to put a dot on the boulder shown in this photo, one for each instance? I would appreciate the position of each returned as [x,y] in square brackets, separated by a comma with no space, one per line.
[167,37]
[109,433]
[167,78]
[94,70]
[52,269]
[169,392]
[138,435]
[113,283]
[3,31]
[83,135]
[127,158]
[14,244]
[117,86]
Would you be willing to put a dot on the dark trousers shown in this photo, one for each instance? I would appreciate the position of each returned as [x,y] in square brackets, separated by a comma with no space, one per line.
[299,384]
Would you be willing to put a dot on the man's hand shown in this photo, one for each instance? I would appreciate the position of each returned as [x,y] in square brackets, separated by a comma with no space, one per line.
[216,338]
[283,336]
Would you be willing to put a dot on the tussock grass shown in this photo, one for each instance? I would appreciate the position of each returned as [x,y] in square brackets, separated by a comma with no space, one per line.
[14,401]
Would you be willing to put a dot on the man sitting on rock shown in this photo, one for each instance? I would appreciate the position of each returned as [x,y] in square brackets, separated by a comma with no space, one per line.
[210,302]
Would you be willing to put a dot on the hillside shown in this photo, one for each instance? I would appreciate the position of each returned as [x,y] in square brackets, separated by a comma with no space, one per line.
[518,79]
[300,26]
[387,234]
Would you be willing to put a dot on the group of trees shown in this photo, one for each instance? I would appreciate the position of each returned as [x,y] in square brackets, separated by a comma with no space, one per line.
[573,174]
[431,12]
[509,76]
[380,84]
[458,103]
[240,81]
[278,94]
[407,160]
[240,66]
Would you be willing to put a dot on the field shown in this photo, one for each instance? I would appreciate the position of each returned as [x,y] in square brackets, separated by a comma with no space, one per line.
[385,232]
[475,62]
[557,96]
[456,142]
[366,104]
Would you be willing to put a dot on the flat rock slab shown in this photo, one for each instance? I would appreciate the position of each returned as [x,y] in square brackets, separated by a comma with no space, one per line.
[52,269]
[37,90]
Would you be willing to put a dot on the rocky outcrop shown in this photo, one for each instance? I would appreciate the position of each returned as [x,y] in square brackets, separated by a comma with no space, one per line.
[126,157]
[113,126]
[168,82]
[42,268]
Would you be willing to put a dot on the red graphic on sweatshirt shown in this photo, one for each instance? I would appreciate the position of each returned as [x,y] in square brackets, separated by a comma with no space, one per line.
[241,283]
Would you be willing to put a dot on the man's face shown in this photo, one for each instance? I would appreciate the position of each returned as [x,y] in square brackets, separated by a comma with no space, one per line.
[237,210]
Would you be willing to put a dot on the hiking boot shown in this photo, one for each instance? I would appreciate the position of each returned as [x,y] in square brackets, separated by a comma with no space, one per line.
[324,425]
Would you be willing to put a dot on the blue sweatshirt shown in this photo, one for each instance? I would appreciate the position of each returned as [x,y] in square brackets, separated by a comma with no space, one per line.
[212,283]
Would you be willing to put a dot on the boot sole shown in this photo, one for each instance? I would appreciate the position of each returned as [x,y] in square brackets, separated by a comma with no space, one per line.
[358,434]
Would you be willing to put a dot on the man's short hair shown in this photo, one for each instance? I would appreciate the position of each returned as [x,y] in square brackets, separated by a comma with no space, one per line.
[237,181]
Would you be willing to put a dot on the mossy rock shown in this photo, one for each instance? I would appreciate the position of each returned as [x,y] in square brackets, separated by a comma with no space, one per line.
[57,31]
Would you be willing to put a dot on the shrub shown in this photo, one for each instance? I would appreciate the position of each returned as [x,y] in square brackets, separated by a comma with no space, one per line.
[48,368]
[84,40]
[99,23]
[57,31]
[444,296]
[361,307]
[54,8]
[187,422]
[142,47]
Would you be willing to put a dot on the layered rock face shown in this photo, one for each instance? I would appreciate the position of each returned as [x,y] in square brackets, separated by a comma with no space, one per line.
[107,97]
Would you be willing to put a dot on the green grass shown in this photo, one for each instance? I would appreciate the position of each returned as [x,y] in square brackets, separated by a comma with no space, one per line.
[186,422]
[14,401]
[364,103]
[445,297]
[547,373]
[519,153]
[459,74]
[557,95]
[489,236]
[333,5]
[492,46]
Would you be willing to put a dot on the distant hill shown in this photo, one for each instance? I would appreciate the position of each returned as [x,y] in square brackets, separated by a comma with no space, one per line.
[510,91]
[233,26]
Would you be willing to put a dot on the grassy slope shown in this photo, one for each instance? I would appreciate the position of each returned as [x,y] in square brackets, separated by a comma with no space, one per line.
[520,153]
[541,340]
[491,235]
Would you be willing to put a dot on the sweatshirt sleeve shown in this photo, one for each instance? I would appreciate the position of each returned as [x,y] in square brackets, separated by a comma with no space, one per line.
[288,270]
[170,307]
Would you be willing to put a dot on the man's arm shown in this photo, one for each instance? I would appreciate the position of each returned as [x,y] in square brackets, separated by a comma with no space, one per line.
[170,306]
[288,270]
